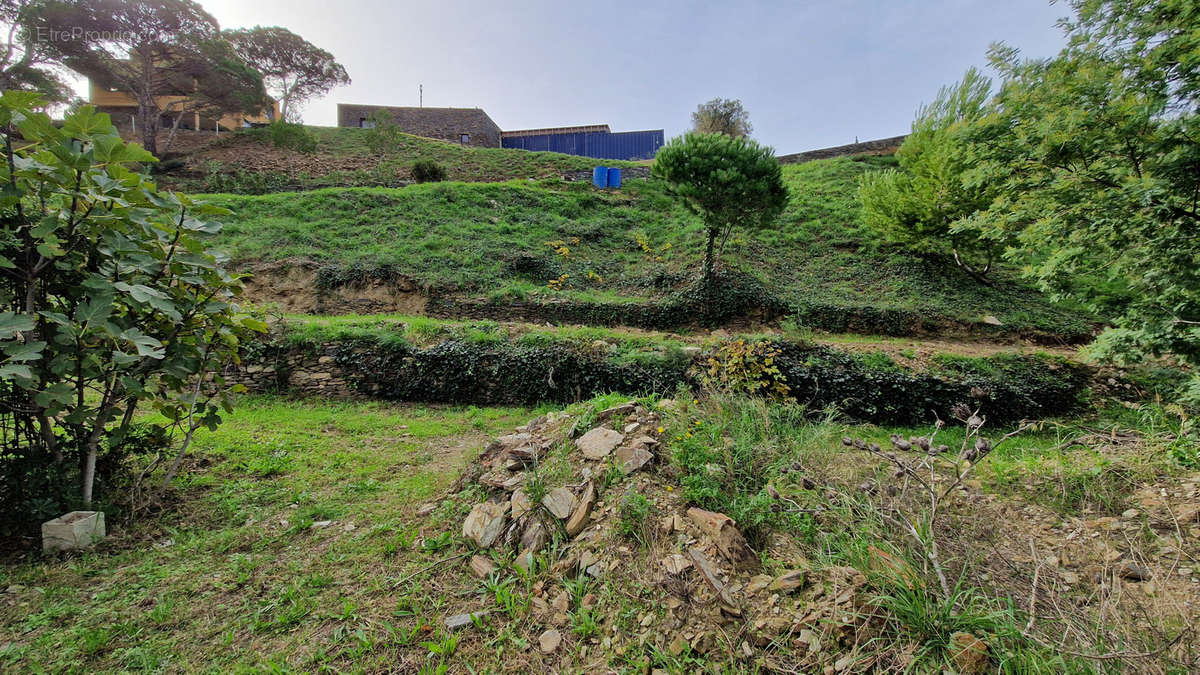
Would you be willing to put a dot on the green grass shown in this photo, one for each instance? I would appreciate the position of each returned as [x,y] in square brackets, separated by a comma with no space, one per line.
[235,578]
[506,241]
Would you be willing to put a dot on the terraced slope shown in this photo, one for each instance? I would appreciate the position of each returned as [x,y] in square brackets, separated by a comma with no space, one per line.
[532,244]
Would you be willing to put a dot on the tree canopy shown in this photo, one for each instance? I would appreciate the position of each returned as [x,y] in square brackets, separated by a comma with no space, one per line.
[1095,154]
[925,205]
[153,49]
[722,116]
[293,69]
[26,62]
[729,181]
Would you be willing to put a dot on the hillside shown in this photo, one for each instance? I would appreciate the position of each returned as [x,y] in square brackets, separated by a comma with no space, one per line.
[246,162]
[504,243]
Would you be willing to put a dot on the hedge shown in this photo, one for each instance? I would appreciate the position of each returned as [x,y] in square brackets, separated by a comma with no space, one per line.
[1007,387]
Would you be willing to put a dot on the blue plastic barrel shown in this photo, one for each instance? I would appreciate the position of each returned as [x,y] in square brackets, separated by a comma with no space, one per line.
[614,178]
[600,176]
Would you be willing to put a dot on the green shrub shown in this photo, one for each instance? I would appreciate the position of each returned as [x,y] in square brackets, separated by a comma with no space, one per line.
[110,300]
[727,461]
[428,171]
[739,366]
[383,137]
[292,136]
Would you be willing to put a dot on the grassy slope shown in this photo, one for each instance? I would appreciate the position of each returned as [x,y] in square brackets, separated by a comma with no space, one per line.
[464,236]
[343,158]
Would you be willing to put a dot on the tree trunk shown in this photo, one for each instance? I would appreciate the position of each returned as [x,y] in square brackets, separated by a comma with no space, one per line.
[174,128]
[148,120]
[89,473]
[709,258]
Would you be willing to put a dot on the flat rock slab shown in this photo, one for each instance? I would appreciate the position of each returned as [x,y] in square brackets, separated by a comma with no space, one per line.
[617,411]
[482,567]
[549,641]
[599,442]
[579,519]
[524,561]
[513,440]
[485,523]
[460,621]
[710,575]
[534,537]
[520,503]
[502,480]
[560,501]
[788,581]
[630,459]
[675,564]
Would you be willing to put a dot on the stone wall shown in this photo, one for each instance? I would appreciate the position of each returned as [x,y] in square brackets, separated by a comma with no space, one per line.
[446,124]
[305,370]
[881,146]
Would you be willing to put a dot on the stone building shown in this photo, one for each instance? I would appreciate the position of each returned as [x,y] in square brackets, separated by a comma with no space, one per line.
[468,126]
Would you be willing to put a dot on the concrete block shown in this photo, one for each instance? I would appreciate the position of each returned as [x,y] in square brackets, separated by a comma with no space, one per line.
[74,531]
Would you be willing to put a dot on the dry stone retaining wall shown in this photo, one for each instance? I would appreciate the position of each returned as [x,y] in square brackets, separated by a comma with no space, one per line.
[303,370]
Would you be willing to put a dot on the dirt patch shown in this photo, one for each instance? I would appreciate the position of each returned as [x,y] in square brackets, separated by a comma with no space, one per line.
[238,151]
[292,287]
[373,296]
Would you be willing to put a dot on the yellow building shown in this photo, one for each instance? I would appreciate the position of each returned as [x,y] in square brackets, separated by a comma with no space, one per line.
[122,107]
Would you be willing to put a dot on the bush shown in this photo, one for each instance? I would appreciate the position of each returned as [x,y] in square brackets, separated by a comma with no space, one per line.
[428,171]
[489,372]
[110,300]
[1010,387]
[739,366]
[383,137]
[292,136]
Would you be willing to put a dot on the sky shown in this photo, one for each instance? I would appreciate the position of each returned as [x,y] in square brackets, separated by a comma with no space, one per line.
[811,73]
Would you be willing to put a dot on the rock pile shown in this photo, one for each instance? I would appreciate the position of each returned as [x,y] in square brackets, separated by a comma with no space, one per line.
[709,579]
[510,517]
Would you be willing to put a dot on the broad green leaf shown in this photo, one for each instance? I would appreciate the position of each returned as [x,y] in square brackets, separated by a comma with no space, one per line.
[11,371]
[24,351]
[11,324]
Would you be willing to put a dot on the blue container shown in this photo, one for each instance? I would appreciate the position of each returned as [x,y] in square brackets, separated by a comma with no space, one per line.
[614,178]
[600,176]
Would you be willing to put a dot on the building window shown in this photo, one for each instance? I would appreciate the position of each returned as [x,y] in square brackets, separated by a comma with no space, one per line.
[465,139]
[366,123]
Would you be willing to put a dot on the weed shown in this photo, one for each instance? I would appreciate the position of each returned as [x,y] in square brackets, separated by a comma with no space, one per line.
[584,624]
[510,600]
[438,542]
[636,522]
